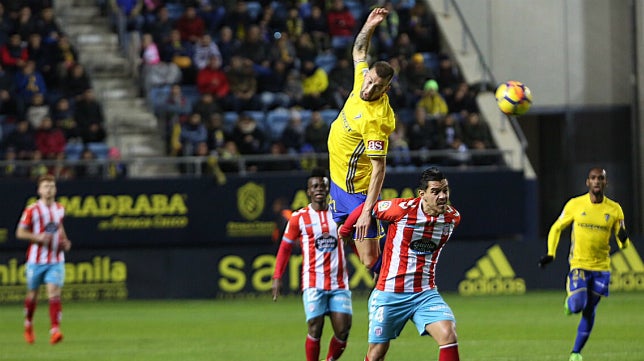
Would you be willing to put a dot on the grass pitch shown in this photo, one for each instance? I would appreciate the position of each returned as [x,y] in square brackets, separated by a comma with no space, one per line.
[524,328]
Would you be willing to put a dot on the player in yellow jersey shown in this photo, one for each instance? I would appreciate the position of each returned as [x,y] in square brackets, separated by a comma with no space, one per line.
[595,218]
[358,142]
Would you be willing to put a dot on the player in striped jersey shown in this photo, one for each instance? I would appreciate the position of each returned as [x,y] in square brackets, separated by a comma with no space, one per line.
[358,142]
[41,225]
[406,289]
[595,218]
[325,282]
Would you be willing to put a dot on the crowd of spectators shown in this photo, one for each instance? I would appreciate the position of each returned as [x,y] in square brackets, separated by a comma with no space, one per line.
[47,104]
[265,77]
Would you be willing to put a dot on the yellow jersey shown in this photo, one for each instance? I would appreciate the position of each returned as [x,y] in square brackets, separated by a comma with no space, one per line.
[593,224]
[360,131]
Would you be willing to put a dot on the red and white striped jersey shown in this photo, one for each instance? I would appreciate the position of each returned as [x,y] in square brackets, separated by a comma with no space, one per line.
[39,218]
[323,259]
[414,242]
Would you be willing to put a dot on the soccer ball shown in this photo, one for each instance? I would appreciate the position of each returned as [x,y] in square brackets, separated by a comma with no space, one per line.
[513,97]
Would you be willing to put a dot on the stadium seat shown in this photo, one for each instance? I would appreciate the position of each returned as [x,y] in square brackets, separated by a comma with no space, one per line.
[254,9]
[73,151]
[99,149]
[432,61]
[356,8]
[175,10]
[157,96]
[230,118]
[329,115]
[190,92]
[276,121]
[326,61]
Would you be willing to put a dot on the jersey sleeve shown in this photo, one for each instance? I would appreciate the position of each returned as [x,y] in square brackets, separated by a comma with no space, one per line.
[619,224]
[375,139]
[26,218]
[291,234]
[360,68]
[564,220]
[393,209]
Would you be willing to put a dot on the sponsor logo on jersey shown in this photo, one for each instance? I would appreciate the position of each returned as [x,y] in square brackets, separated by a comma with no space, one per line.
[375,145]
[383,205]
[492,275]
[627,270]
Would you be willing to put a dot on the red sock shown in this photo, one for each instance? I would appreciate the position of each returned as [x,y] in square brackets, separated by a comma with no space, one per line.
[448,352]
[312,348]
[55,311]
[30,308]
[336,348]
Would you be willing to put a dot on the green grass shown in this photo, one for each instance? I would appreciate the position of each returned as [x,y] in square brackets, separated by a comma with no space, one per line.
[525,328]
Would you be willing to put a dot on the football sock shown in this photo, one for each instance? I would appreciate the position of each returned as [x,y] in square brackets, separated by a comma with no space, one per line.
[312,348]
[448,352]
[55,311]
[336,348]
[30,308]
[583,331]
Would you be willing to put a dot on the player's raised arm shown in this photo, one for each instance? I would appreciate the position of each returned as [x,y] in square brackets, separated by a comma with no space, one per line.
[363,39]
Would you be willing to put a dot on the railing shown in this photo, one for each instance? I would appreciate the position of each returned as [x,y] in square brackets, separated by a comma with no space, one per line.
[467,38]
[198,166]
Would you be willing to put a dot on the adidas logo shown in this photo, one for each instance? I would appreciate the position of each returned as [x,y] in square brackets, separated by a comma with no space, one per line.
[492,275]
[627,270]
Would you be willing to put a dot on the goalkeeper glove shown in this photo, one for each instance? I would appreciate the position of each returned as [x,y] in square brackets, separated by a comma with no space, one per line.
[543,261]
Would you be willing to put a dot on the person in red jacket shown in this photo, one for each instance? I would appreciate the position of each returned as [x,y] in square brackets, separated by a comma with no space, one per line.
[50,141]
[213,80]
[13,55]
[190,25]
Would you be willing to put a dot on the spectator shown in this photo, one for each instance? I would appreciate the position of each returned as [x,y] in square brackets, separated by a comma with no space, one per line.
[25,24]
[341,25]
[448,75]
[239,19]
[216,133]
[254,47]
[462,101]
[316,25]
[316,133]
[115,167]
[273,87]
[284,50]
[22,140]
[175,110]
[399,146]
[37,110]
[11,169]
[126,17]
[229,157]
[207,106]
[47,26]
[415,76]
[212,12]
[205,49]
[305,48]
[248,137]
[5,25]
[421,27]
[88,111]
[341,82]
[88,168]
[76,82]
[403,49]
[29,81]
[50,141]
[154,71]
[227,45]
[65,56]
[180,52]
[192,133]
[190,26]
[277,149]
[315,83]
[294,23]
[477,136]
[93,133]
[397,87]
[450,136]
[243,86]
[8,106]
[292,137]
[387,32]
[63,117]
[13,54]
[161,27]
[432,101]
[213,80]
[422,133]
[43,57]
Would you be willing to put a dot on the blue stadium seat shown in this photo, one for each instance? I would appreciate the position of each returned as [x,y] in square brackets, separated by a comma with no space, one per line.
[356,8]
[432,61]
[326,61]
[329,115]
[190,92]
[99,149]
[254,9]
[175,10]
[230,118]
[157,96]
[73,150]
[276,121]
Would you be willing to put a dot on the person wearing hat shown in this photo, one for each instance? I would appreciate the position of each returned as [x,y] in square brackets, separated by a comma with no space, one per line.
[432,101]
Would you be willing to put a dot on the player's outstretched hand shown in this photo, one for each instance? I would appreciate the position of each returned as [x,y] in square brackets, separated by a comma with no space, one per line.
[376,16]
[277,285]
[543,261]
